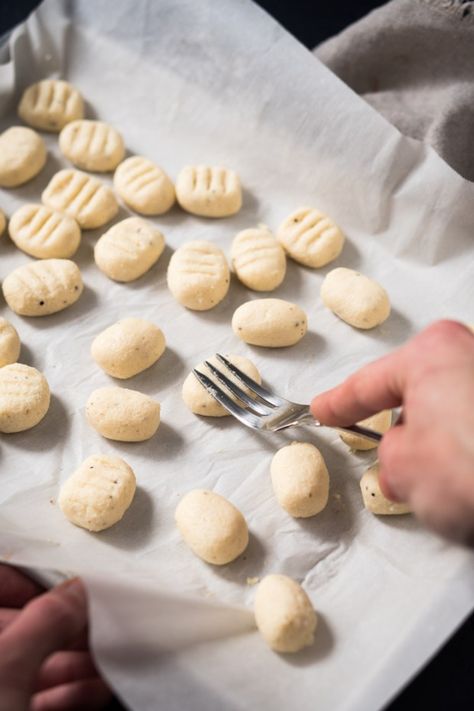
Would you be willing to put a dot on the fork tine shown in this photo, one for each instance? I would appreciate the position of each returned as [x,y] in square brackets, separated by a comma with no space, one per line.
[241,394]
[246,417]
[266,395]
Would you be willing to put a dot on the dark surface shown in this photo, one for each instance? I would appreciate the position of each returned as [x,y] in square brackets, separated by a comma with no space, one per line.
[446,683]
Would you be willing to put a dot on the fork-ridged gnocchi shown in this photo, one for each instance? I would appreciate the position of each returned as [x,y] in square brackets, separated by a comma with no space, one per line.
[44,233]
[82,196]
[92,145]
[209,191]
[43,288]
[258,260]
[24,397]
[50,104]
[22,156]
[3,223]
[310,237]
[129,249]
[198,275]
[355,298]
[9,343]
[144,186]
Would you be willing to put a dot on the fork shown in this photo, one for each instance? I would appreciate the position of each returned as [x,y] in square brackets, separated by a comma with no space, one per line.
[262,409]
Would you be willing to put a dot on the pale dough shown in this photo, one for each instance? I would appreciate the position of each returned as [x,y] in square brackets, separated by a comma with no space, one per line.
[43,288]
[129,249]
[82,196]
[43,232]
[50,104]
[22,156]
[258,260]
[379,423]
[128,347]
[356,299]
[300,479]
[198,275]
[92,145]
[209,191]
[200,401]
[373,498]
[123,415]
[3,223]
[9,343]
[310,237]
[144,186]
[24,397]
[273,323]
[97,494]
[284,614]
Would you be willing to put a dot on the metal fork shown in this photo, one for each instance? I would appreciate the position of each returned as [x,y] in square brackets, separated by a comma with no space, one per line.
[262,409]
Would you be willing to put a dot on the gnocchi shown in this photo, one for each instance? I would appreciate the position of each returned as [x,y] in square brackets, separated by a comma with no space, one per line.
[81,196]
[24,397]
[374,500]
[356,299]
[44,233]
[3,223]
[22,156]
[300,479]
[9,343]
[209,191]
[273,323]
[43,288]
[258,260]
[50,104]
[310,237]
[380,422]
[128,347]
[129,249]
[143,186]
[123,415]
[92,145]
[198,275]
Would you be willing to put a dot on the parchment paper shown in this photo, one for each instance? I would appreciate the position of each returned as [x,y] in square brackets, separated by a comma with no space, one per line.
[219,82]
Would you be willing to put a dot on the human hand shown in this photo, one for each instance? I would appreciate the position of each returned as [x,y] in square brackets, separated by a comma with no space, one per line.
[427,459]
[44,662]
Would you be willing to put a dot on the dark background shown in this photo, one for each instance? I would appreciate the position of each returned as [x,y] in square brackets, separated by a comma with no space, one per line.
[446,683]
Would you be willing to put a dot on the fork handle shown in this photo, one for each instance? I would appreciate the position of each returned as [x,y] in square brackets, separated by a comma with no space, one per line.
[361,432]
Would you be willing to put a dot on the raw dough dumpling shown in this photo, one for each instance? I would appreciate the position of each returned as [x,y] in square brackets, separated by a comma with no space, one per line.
[198,275]
[209,191]
[24,397]
[374,500]
[128,347]
[123,415]
[3,223]
[356,299]
[273,323]
[258,260]
[9,343]
[92,145]
[310,237]
[300,479]
[144,186]
[379,423]
[22,156]
[97,494]
[284,614]
[83,197]
[44,233]
[43,288]
[129,249]
[211,526]
[200,401]
[50,104]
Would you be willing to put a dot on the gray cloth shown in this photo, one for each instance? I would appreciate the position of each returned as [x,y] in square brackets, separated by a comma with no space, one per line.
[413,61]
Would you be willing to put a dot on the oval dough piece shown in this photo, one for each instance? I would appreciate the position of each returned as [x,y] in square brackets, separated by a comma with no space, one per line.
[198,275]
[310,237]
[9,343]
[81,196]
[258,260]
[211,526]
[24,397]
[300,479]
[201,402]
[22,156]
[144,186]
[3,223]
[97,494]
[209,191]
[128,347]
[92,145]
[43,288]
[379,423]
[273,323]
[356,299]
[129,249]
[123,415]
[284,614]
[50,104]
[44,233]
[373,498]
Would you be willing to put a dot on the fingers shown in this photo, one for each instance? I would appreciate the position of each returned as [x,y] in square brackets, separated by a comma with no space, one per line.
[91,694]
[65,667]
[396,461]
[16,589]
[7,615]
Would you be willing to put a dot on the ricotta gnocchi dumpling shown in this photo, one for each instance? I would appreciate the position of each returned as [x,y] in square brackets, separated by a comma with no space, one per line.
[209,191]
[373,498]
[9,343]
[129,249]
[44,233]
[3,223]
[144,186]
[273,323]
[43,288]
[356,299]
[122,414]
[300,479]
[284,614]
[310,237]
[83,197]
[258,259]
[128,347]
[22,156]
[24,397]
[198,275]
[97,494]
[50,104]
[199,401]
[213,528]
[92,145]
[379,423]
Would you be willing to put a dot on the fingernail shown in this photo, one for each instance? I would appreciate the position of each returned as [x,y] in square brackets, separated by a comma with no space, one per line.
[71,588]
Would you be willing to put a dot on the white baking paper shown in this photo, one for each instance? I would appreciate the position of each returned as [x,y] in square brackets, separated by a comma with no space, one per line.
[219,82]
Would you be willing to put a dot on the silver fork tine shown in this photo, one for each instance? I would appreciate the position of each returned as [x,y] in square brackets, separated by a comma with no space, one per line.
[246,417]
[266,395]
[241,394]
